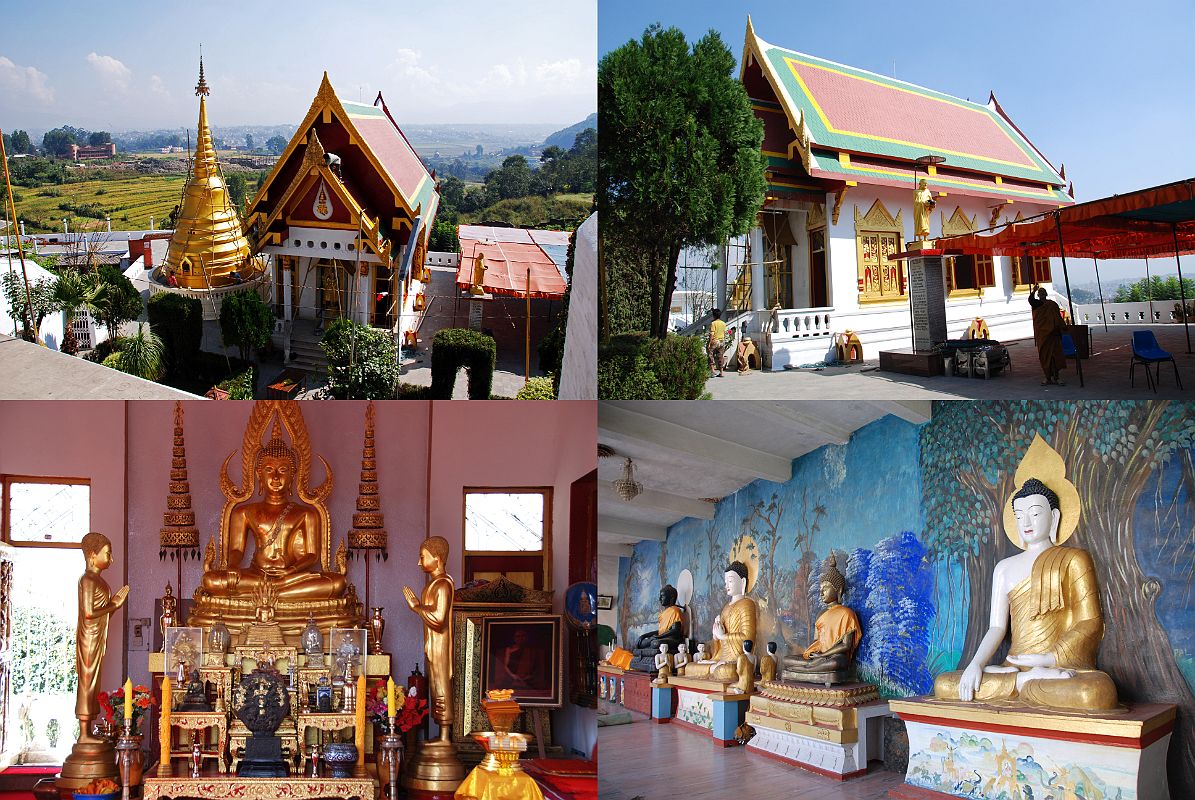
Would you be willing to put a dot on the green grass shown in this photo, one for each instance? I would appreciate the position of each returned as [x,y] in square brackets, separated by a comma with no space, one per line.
[130,201]
[560,211]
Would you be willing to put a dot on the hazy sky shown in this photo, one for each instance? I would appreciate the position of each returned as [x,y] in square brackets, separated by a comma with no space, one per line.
[1103,86]
[134,65]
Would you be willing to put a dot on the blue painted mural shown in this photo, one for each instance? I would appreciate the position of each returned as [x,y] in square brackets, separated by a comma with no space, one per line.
[915,512]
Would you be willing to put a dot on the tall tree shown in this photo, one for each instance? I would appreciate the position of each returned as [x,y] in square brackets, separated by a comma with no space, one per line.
[276,144]
[681,161]
[121,302]
[237,185]
[41,293]
[248,141]
[246,321]
[58,141]
[98,138]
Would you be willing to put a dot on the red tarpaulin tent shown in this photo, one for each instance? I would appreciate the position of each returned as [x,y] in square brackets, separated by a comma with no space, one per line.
[507,264]
[1159,221]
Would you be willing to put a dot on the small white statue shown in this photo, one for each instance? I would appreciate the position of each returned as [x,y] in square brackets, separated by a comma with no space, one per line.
[680,659]
[663,666]
[701,657]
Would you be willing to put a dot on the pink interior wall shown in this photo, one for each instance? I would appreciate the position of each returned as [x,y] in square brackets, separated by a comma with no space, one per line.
[472,444]
[78,439]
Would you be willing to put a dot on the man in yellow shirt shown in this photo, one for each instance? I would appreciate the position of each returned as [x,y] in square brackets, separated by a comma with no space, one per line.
[716,344]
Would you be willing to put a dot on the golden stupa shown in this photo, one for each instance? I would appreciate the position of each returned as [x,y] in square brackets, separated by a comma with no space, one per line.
[208,245]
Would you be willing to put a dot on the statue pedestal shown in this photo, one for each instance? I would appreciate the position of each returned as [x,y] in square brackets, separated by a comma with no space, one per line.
[961,749]
[833,731]
[663,703]
[636,691]
[707,706]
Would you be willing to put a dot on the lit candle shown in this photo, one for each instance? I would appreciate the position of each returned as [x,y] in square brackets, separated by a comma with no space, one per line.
[360,726]
[391,710]
[128,701]
[164,728]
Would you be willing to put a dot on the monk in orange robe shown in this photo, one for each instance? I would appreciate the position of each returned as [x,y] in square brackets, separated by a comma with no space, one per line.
[1047,333]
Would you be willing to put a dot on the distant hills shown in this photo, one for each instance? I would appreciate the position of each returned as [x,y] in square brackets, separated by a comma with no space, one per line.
[564,138]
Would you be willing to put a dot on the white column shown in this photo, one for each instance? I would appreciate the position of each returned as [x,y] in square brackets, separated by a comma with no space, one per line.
[758,293]
[720,278]
[288,278]
[364,290]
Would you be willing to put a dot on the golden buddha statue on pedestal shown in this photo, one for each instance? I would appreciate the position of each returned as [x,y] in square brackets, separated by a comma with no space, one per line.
[291,568]
[1049,596]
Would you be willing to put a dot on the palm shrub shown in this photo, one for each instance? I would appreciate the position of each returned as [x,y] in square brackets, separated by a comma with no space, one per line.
[75,290]
[362,361]
[140,354]
[453,348]
[246,321]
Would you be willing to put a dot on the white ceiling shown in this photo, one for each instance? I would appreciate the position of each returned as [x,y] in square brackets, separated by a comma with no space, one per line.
[687,453]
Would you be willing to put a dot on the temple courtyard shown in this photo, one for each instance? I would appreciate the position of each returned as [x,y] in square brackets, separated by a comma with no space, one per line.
[1105,376]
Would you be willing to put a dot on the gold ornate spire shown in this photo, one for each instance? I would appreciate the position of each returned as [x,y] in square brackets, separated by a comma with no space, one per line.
[208,244]
[178,522]
[369,523]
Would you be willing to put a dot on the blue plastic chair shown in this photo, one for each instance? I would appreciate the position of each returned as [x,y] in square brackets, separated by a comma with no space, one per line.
[1068,346]
[1146,351]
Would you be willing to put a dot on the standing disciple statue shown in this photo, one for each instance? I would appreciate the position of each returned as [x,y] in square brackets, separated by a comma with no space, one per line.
[436,766]
[92,756]
[828,659]
[734,625]
[767,663]
[923,204]
[1049,596]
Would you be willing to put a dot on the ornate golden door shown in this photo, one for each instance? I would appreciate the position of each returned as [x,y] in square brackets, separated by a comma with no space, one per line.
[878,276]
[333,283]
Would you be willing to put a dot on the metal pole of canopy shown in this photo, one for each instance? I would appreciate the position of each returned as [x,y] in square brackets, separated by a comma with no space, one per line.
[1103,311]
[1149,291]
[1067,278]
[1182,292]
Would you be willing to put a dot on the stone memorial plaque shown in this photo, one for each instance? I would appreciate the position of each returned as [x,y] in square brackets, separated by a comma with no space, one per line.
[927,298]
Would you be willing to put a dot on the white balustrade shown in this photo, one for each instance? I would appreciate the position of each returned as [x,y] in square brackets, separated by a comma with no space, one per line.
[802,323]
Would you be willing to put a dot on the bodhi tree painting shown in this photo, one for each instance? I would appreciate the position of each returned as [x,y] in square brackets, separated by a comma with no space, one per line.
[1133,464]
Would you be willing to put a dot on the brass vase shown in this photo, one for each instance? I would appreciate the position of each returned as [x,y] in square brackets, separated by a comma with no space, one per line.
[377,626]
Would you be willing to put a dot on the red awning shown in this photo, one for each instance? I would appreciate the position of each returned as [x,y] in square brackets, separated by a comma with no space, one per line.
[1139,224]
[507,265]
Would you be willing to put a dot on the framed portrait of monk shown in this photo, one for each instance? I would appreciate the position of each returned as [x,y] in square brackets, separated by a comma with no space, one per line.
[523,653]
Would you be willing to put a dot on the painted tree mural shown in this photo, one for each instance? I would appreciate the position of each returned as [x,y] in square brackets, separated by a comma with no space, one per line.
[1113,451]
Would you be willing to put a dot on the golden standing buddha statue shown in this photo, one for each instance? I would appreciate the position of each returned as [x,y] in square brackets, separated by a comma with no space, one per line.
[291,575]
[92,756]
[923,204]
[1049,596]
[734,625]
[436,767]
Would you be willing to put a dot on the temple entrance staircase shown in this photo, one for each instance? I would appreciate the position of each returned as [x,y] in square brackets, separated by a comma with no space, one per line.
[305,351]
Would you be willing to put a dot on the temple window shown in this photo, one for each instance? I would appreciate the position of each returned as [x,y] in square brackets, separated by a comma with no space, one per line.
[969,275]
[44,521]
[878,236]
[1028,270]
[508,531]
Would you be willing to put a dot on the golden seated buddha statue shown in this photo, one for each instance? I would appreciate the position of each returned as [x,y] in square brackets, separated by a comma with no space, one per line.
[1049,596]
[291,567]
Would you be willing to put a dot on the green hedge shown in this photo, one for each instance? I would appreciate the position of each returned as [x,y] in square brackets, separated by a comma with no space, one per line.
[537,389]
[453,348]
[362,361]
[635,366]
[178,322]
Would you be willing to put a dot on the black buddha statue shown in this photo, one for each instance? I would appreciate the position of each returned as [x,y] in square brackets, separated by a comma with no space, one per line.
[195,698]
[670,630]
[266,703]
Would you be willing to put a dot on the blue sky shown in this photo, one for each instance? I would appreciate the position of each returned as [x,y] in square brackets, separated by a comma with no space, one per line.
[133,65]
[1106,88]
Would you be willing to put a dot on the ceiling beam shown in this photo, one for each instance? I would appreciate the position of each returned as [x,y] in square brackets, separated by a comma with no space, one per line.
[790,415]
[658,501]
[914,411]
[630,529]
[671,436]
[612,549]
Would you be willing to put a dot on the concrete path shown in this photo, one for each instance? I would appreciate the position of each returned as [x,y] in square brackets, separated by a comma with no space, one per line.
[1105,374]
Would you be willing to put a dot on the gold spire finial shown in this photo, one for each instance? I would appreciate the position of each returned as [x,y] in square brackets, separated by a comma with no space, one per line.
[201,87]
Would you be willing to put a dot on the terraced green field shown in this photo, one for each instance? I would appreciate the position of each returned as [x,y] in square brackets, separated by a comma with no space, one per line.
[129,201]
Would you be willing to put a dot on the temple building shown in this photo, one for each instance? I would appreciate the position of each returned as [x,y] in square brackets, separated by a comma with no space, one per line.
[842,146]
[208,250]
[344,219]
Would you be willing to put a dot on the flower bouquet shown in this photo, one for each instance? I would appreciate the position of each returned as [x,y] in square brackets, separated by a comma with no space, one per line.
[112,706]
[99,789]
[412,712]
